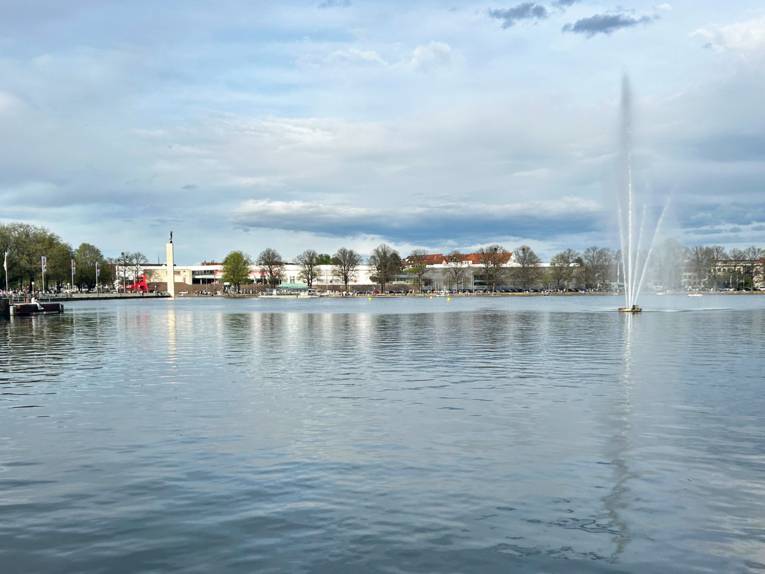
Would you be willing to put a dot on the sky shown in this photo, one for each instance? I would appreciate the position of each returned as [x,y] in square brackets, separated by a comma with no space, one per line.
[347,123]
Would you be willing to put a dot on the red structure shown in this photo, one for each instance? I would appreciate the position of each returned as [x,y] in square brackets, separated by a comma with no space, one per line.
[139,285]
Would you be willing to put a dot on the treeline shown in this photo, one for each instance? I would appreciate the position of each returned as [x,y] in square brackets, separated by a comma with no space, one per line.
[23,246]
[590,269]
[345,262]
[593,269]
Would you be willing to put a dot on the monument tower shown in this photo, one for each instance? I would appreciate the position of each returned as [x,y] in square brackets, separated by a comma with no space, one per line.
[170,267]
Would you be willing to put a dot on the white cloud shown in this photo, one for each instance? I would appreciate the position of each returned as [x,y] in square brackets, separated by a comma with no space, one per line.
[355,56]
[742,37]
[432,55]
[9,103]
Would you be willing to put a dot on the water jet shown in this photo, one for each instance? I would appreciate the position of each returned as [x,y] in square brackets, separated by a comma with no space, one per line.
[631,233]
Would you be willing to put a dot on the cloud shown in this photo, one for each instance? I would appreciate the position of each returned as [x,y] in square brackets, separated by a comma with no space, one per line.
[524,11]
[356,56]
[9,103]
[607,23]
[432,55]
[565,3]
[335,4]
[430,224]
[743,37]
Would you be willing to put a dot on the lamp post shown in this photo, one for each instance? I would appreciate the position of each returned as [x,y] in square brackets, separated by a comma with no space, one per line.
[97,289]
[123,260]
[73,268]
[44,268]
[5,267]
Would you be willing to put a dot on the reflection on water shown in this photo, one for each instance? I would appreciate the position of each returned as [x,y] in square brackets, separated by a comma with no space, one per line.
[485,435]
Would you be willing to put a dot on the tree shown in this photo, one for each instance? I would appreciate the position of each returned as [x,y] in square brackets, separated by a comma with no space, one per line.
[236,269]
[700,263]
[417,267]
[596,262]
[136,262]
[309,266]
[528,262]
[272,265]
[562,266]
[86,257]
[345,262]
[26,244]
[455,272]
[324,259]
[59,267]
[386,263]
[492,258]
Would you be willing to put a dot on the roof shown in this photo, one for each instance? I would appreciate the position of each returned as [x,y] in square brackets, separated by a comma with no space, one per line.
[472,258]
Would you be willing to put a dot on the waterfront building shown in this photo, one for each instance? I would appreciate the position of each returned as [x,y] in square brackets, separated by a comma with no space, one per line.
[439,275]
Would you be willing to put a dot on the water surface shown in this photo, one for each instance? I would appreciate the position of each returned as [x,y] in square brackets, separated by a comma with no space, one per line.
[493,435]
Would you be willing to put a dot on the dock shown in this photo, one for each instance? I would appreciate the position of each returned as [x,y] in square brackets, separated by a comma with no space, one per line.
[9,309]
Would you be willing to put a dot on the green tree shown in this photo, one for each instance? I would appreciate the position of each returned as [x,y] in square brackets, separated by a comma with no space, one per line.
[86,257]
[386,263]
[236,269]
[26,245]
[344,265]
[324,259]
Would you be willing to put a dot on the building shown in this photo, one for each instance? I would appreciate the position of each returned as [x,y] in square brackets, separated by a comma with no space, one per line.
[739,273]
[467,273]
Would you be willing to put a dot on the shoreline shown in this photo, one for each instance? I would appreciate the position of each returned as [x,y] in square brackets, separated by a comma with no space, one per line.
[163,296]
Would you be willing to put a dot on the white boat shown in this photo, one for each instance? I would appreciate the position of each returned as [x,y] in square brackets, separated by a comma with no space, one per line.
[695,295]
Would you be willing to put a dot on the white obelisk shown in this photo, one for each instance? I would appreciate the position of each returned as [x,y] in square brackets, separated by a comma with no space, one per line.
[170,267]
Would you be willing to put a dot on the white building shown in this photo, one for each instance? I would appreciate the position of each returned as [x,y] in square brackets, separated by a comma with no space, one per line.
[440,274]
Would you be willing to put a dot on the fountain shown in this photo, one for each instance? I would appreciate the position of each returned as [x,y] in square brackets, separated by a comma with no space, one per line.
[634,258]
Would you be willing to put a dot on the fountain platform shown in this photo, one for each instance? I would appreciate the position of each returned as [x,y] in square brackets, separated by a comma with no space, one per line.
[633,309]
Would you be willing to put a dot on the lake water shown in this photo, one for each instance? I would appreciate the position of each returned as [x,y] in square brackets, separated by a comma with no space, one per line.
[484,435]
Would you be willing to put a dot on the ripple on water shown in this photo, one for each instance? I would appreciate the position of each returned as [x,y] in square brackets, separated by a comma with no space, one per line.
[390,436]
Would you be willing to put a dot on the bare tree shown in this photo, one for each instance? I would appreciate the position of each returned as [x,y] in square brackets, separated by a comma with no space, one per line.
[562,266]
[596,262]
[386,263]
[135,262]
[492,258]
[345,263]
[309,266]
[272,265]
[455,272]
[528,270]
[700,263]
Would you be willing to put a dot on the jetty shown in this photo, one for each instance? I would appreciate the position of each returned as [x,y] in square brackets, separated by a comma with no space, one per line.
[10,309]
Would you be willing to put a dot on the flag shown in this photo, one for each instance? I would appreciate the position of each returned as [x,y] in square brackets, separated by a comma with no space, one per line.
[74,267]
[5,263]
[44,263]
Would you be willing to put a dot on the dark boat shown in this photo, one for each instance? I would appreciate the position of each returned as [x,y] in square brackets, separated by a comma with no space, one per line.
[29,309]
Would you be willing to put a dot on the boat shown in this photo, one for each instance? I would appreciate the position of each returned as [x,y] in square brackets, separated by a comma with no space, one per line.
[30,309]
[695,295]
